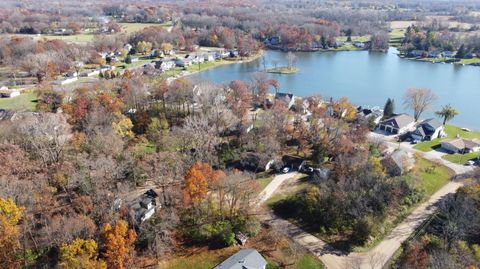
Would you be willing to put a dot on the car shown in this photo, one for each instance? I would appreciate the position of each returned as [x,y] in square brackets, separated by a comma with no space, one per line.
[470,163]
[414,142]
[309,170]
[286,169]
[466,129]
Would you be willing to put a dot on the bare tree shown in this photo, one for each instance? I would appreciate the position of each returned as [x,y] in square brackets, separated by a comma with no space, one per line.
[419,100]
[292,59]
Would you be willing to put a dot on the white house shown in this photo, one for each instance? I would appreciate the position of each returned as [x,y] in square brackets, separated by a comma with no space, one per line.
[398,124]
[5,92]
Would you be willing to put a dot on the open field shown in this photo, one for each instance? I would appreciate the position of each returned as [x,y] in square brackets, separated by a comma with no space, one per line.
[401,24]
[452,132]
[130,27]
[363,38]
[24,102]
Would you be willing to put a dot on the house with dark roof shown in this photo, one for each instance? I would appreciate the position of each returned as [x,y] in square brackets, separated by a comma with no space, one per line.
[248,258]
[398,124]
[461,145]
[427,130]
[287,98]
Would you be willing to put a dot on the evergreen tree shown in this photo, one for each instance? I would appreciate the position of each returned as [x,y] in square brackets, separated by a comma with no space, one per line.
[461,52]
[128,60]
[389,108]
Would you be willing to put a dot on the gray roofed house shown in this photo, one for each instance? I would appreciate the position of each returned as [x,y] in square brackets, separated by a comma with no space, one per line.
[461,145]
[398,124]
[398,163]
[427,130]
[248,258]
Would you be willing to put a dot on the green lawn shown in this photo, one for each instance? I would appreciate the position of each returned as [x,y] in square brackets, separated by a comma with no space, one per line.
[461,158]
[363,38]
[452,132]
[79,38]
[24,102]
[308,261]
[433,176]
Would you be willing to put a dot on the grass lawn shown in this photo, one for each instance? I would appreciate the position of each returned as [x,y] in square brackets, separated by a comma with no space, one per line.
[79,38]
[363,38]
[461,158]
[283,70]
[202,260]
[24,102]
[452,132]
[289,188]
[308,261]
[433,176]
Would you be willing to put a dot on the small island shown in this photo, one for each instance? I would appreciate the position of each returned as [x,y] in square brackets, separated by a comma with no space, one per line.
[289,69]
[283,70]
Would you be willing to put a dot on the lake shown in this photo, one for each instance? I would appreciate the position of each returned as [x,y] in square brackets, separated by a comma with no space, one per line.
[367,79]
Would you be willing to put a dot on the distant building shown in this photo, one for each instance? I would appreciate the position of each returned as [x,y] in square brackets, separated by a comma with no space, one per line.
[273,41]
[449,54]
[360,45]
[244,259]
[287,98]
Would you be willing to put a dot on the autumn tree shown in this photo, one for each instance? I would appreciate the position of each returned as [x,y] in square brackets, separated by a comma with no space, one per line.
[239,98]
[118,245]
[143,47]
[196,184]
[80,254]
[10,215]
[419,100]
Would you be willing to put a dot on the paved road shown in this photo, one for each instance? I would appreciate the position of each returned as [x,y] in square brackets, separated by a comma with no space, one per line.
[377,257]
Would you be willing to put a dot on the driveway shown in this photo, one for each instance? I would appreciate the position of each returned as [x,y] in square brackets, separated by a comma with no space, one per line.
[273,186]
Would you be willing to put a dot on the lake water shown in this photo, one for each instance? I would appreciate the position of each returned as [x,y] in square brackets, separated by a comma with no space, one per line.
[368,79]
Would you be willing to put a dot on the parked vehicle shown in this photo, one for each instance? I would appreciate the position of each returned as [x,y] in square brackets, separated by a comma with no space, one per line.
[286,170]
[470,163]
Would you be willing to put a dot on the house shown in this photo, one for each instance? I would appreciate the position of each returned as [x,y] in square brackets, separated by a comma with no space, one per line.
[287,98]
[183,62]
[209,57]
[273,41]
[359,45]
[398,163]
[5,92]
[241,238]
[370,113]
[65,81]
[144,206]
[449,54]
[427,130]
[164,65]
[248,258]
[417,53]
[294,163]
[461,145]
[250,161]
[104,68]
[233,53]
[398,124]
[435,54]
[128,47]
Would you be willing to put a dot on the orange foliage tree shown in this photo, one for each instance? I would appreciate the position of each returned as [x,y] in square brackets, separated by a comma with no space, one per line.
[119,245]
[197,181]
